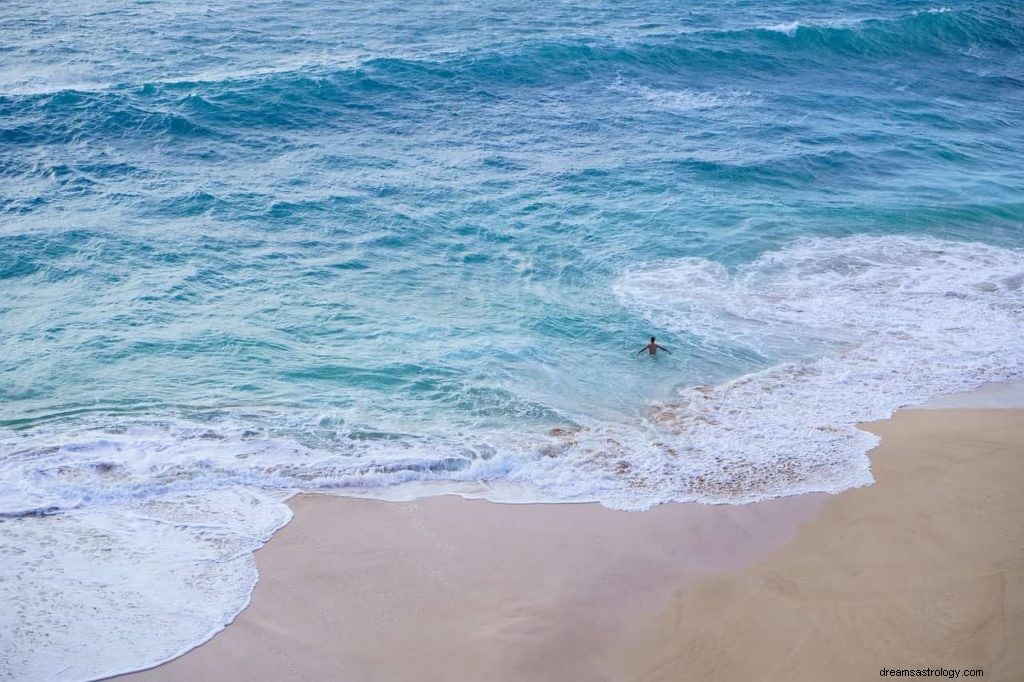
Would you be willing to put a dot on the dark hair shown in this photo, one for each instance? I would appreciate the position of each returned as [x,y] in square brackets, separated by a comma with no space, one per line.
[652,339]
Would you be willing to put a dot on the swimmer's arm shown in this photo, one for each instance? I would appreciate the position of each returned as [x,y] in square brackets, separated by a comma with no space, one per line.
[641,350]
[664,349]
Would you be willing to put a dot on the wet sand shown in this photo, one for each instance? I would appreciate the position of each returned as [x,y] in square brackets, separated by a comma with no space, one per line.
[925,568]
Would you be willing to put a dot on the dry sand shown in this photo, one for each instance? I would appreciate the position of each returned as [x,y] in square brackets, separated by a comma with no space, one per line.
[923,569]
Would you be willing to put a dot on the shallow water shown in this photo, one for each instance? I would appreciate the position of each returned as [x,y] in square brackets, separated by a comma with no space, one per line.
[253,248]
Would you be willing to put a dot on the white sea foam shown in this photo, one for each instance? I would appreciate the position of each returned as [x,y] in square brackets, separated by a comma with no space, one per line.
[683,99]
[48,80]
[789,28]
[96,592]
[892,321]
[138,539]
[691,100]
[41,81]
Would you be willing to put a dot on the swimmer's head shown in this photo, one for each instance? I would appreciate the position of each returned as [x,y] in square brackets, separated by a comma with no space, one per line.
[652,339]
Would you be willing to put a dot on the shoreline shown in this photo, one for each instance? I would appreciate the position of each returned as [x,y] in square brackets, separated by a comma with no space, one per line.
[448,588]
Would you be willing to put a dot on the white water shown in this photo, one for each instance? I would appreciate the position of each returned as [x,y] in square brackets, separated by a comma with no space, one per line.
[139,582]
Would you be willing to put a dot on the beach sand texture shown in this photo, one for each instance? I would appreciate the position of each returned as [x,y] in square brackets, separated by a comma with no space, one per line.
[925,568]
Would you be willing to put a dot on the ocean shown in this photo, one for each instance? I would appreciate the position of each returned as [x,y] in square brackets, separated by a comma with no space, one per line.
[249,249]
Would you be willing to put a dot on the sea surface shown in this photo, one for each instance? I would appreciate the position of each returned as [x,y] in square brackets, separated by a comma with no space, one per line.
[395,249]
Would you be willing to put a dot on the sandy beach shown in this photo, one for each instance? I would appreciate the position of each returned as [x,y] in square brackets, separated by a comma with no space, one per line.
[923,569]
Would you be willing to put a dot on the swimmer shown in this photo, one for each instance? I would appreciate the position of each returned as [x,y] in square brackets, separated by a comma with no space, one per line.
[652,348]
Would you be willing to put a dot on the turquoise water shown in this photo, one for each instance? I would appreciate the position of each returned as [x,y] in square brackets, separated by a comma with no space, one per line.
[411,217]
[253,248]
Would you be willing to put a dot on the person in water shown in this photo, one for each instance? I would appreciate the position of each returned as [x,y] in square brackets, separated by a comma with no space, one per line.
[652,348]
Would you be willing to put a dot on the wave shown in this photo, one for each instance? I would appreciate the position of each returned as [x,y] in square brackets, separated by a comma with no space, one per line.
[888,321]
[919,32]
[894,321]
[303,93]
[146,581]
